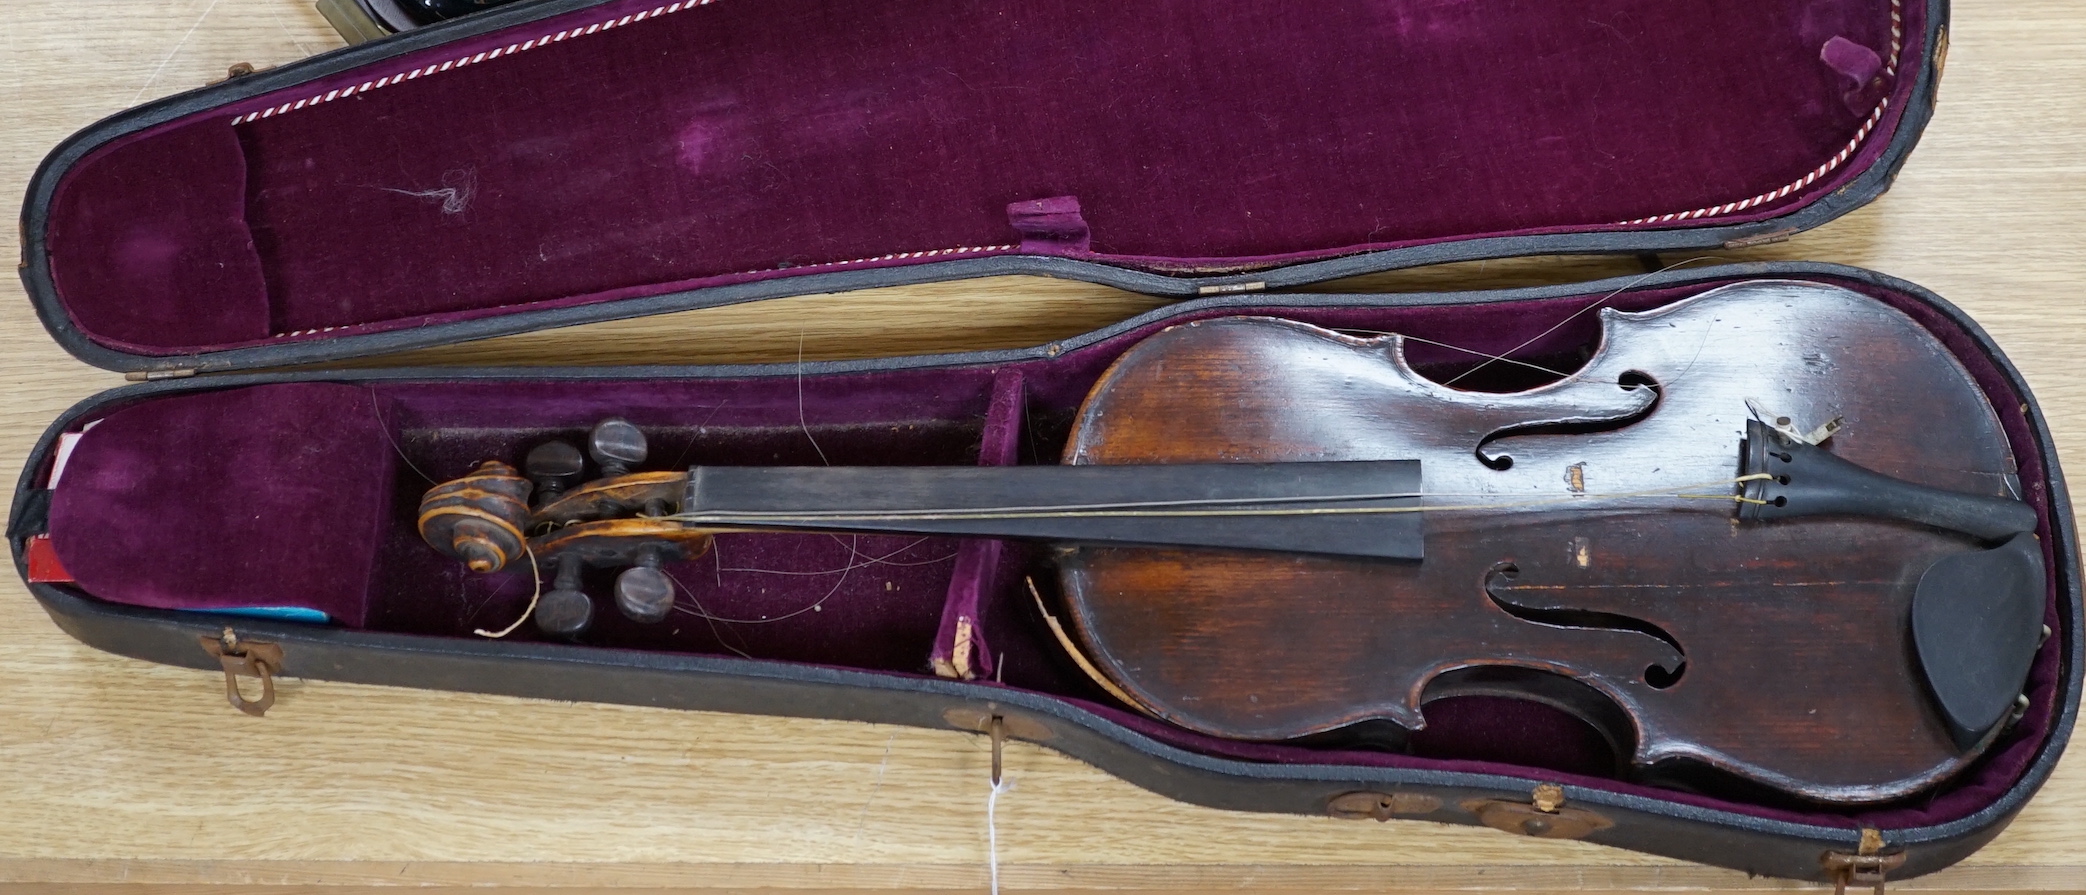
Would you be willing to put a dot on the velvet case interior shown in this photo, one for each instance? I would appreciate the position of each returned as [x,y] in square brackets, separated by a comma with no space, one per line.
[630,149]
[304,493]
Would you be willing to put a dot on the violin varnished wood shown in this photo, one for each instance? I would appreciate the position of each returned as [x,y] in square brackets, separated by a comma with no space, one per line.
[1584,528]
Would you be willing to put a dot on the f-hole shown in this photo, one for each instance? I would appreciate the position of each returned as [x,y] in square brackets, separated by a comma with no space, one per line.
[1502,578]
[1628,381]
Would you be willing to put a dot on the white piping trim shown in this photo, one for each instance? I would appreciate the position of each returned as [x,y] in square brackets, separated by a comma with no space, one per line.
[1890,69]
[460,62]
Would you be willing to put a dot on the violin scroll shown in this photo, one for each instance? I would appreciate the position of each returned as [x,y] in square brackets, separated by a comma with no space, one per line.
[479,518]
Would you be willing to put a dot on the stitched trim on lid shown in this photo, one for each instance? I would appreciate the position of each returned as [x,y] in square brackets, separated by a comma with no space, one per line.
[461,61]
[1890,70]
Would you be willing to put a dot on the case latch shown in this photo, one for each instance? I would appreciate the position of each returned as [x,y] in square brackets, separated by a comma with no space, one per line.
[1866,867]
[1544,816]
[248,658]
[235,71]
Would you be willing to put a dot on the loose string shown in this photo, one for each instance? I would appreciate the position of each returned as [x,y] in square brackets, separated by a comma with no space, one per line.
[1187,508]
[1597,303]
[536,576]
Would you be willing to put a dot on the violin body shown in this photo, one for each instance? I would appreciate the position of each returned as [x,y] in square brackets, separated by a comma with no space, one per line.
[1774,651]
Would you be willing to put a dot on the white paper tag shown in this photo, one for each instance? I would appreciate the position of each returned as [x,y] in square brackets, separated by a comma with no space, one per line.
[66,443]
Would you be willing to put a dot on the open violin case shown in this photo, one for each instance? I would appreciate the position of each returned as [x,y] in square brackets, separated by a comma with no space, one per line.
[566,161]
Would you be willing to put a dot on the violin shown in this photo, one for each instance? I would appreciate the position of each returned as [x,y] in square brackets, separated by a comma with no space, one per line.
[1770,532]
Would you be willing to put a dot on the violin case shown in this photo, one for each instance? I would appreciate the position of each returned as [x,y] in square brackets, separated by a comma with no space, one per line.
[564,161]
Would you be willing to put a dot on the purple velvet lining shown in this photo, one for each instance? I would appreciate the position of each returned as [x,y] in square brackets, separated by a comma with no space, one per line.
[192,475]
[960,646]
[1216,134]
[172,260]
[266,496]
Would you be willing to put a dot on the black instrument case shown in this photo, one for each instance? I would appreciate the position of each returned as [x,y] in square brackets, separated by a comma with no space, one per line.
[566,161]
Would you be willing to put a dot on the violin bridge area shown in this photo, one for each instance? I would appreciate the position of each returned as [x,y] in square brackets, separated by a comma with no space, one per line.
[303,493]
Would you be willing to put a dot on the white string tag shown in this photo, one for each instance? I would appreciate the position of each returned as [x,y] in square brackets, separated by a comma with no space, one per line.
[992,830]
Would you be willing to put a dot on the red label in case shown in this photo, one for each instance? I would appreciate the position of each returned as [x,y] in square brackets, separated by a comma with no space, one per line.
[44,567]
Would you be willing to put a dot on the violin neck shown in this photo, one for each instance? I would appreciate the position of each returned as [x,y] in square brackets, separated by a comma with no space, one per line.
[1362,508]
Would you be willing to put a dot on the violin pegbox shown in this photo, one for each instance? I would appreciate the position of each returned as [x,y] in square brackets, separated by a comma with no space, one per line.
[614,445]
[640,546]
[616,521]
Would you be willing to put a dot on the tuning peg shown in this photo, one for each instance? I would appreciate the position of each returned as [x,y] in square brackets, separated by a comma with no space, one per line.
[565,610]
[644,592]
[616,446]
[553,466]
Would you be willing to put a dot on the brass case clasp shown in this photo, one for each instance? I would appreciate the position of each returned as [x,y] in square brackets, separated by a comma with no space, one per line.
[245,658]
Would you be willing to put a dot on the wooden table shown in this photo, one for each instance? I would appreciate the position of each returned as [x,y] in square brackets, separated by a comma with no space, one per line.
[116,773]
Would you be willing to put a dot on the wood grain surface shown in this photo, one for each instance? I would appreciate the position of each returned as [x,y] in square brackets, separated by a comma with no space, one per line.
[117,775]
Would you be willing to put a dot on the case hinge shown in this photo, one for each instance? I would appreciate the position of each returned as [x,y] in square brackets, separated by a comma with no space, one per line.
[1760,239]
[248,658]
[1866,867]
[1543,816]
[1231,288]
[156,375]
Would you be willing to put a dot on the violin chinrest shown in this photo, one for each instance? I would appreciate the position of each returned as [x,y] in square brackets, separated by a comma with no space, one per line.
[1976,622]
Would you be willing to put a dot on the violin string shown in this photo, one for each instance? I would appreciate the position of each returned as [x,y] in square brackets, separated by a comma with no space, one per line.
[801,424]
[703,613]
[695,434]
[384,426]
[854,550]
[1180,508]
[814,606]
[1488,356]
[535,575]
[865,560]
[854,554]
[1603,300]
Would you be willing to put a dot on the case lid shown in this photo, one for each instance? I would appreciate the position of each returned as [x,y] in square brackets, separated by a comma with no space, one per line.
[565,161]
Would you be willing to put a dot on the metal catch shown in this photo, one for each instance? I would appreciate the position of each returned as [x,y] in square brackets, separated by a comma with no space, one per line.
[248,658]
[1866,867]
[1544,816]
[1380,806]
